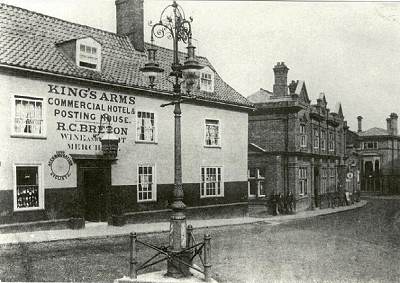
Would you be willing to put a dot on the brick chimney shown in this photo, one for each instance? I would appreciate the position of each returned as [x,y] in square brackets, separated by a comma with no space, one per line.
[130,21]
[389,125]
[280,86]
[393,118]
[359,119]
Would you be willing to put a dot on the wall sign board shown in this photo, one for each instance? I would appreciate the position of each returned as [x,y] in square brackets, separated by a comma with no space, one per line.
[76,113]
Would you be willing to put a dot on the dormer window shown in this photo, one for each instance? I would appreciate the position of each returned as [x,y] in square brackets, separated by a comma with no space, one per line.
[207,80]
[88,57]
[84,52]
[88,54]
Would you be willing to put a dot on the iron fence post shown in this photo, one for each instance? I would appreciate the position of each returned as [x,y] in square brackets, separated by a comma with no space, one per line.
[133,256]
[189,238]
[207,257]
[190,241]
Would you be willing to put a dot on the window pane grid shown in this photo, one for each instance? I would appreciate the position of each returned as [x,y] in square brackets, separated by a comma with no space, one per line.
[331,142]
[303,181]
[145,126]
[212,133]
[28,116]
[323,139]
[206,82]
[303,137]
[88,56]
[27,187]
[211,181]
[145,183]
[316,138]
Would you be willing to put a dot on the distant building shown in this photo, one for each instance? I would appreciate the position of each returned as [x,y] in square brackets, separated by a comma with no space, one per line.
[379,153]
[295,146]
[352,162]
[56,80]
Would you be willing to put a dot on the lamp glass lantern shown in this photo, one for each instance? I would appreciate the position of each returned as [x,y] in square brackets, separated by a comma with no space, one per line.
[152,69]
[109,143]
[191,68]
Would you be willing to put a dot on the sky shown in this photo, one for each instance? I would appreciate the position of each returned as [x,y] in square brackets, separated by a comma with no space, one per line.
[348,50]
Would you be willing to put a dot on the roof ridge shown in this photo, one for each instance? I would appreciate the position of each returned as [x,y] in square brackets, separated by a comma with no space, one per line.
[61,20]
[90,27]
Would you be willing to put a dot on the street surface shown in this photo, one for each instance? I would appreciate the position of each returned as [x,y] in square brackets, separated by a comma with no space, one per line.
[357,245]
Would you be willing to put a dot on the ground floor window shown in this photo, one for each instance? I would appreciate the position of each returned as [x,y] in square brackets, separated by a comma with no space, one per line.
[28,191]
[256,182]
[303,181]
[211,182]
[146,187]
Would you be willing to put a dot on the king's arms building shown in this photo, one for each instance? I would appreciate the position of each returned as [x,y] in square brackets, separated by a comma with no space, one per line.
[58,78]
[295,146]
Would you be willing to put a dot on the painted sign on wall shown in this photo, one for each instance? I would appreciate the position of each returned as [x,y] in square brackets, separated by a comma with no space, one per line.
[76,112]
[60,165]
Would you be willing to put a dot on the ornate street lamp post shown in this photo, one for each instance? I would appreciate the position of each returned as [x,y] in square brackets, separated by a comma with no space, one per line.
[175,26]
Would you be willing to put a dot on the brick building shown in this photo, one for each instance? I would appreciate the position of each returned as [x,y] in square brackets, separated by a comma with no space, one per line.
[56,80]
[379,153]
[295,146]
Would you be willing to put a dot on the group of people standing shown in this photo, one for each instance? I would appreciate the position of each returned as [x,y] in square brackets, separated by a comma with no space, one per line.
[282,203]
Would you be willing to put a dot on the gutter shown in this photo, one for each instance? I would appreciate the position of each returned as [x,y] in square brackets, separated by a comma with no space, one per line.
[137,88]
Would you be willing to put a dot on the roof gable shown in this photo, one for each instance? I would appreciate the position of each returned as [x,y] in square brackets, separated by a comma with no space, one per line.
[30,41]
[339,110]
[301,90]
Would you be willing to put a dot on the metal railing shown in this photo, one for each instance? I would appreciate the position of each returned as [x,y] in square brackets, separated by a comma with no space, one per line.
[381,184]
[202,250]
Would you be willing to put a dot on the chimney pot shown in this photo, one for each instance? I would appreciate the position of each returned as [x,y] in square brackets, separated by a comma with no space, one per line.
[393,124]
[389,125]
[130,21]
[280,85]
[359,119]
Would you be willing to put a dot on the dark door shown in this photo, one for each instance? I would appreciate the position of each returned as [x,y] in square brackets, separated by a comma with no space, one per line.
[94,185]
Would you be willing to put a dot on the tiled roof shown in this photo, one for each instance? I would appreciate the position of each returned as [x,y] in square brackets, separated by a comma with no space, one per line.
[29,40]
[374,132]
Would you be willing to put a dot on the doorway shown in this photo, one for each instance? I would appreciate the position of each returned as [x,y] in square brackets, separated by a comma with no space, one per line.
[94,180]
[95,191]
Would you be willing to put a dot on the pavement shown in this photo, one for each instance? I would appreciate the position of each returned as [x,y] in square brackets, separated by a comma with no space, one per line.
[103,230]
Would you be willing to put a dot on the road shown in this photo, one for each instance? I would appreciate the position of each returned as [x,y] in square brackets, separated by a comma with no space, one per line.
[358,245]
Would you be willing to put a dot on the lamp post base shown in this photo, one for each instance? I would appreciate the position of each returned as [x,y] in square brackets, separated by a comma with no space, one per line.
[159,277]
[177,269]
[178,265]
